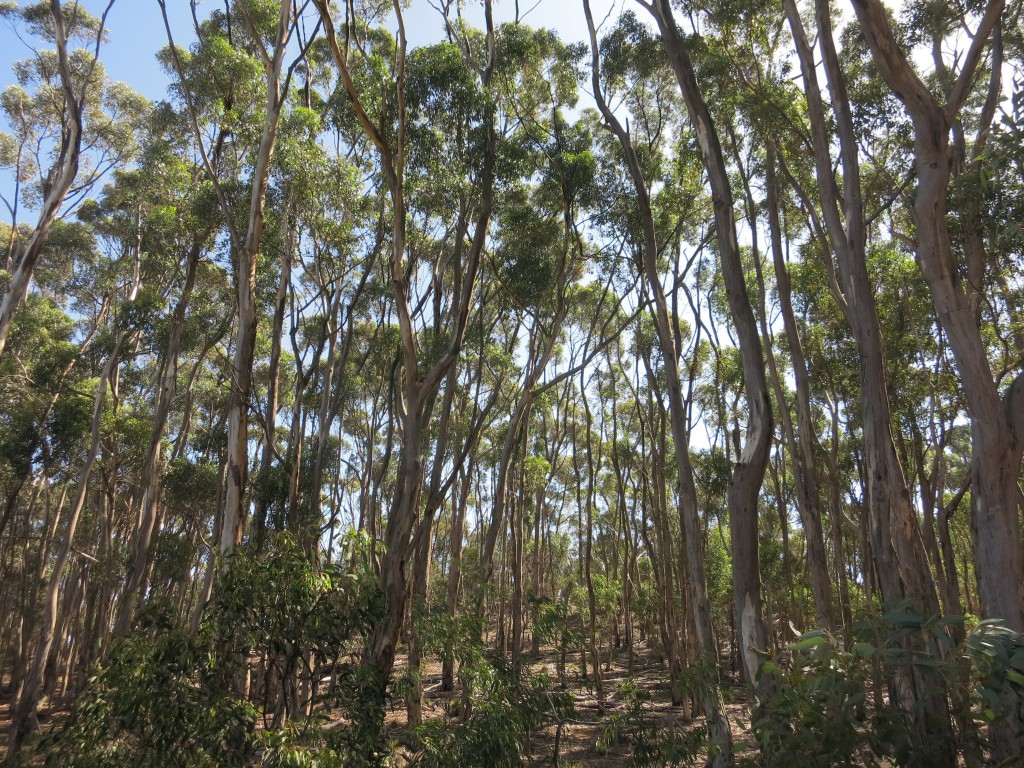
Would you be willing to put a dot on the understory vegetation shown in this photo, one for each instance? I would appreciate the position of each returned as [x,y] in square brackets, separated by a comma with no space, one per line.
[413,386]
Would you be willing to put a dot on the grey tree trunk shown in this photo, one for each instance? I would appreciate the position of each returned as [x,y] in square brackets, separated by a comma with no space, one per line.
[996,448]
[718,726]
[57,184]
[748,472]
[801,450]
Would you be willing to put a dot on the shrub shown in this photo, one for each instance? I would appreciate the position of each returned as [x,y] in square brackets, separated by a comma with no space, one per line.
[166,698]
[831,704]
[508,706]
[160,701]
[652,746]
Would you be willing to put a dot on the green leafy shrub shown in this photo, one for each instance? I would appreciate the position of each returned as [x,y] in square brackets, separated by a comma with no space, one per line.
[165,698]
[306,745]
[832,705]
[160,701]
[508,706]
[651,745]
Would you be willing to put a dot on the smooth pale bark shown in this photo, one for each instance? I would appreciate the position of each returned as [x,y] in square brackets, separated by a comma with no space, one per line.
[417,387]
[996,450]
[27,699]
[900,558]
[59,179]
[748,472]
[718,726]
[247,254]
[996,446]
[802,450]
[168,375]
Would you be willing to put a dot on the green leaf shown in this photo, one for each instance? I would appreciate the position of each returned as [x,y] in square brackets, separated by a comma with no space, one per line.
[807,643]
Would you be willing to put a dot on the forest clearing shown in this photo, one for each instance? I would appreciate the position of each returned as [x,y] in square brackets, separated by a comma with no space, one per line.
[465,383]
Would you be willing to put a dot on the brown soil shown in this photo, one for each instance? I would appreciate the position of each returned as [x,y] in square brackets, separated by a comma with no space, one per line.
[578,744]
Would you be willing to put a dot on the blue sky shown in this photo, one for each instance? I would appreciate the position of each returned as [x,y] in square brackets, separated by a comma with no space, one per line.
[136,33]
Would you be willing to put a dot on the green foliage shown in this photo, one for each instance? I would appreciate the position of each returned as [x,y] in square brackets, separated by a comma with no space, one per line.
[509,705]
[167,698]
[529,252]
[161,701]
[828,706]
[282,602]
[651,745]
[305,745]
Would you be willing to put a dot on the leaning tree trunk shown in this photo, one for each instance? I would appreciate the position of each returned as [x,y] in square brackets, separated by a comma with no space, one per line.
[57,183]
[718,726]
[896,543]
[748,473]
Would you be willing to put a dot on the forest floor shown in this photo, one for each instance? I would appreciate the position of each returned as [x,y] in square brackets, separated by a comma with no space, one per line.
[580,737]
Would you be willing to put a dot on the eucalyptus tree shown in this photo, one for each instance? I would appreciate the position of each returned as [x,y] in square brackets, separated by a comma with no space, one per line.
[997,449]
[73,106]
[747,49]
[896,540]
[122,335]
[649,250]
[421,374]
[260,41]
[748,472]
[184,217]
[541,250]
[45,419]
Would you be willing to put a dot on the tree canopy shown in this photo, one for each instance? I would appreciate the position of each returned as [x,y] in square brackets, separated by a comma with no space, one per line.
[655,399]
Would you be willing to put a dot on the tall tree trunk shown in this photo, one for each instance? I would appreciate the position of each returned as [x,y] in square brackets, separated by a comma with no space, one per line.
[996,450]
[27,699]
[802,452]
[247,253]
[60,177]
[896,543]
[418,387]
[166,380]
[718,726]
[748,472]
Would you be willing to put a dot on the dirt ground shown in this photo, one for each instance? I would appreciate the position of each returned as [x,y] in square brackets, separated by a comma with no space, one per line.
[579,738]
[578,743]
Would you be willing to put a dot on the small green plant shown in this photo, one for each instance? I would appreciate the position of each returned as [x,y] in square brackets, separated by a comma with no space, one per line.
[305,745]
[651,745]
[161,701]
[508,706]
[834,704]
[166,698]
